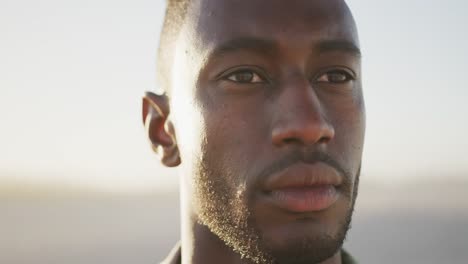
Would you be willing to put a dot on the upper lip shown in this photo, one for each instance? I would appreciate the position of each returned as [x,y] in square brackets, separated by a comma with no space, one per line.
[300,175]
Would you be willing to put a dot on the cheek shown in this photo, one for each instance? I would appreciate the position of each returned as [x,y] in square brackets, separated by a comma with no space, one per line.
[235,135]
[225,139]
[190,132]
[349,126]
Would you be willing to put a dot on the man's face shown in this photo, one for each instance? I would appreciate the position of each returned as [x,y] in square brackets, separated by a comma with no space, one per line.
[269,116]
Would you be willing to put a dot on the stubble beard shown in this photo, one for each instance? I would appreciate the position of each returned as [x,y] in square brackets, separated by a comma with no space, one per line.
[225,212]
[224,209]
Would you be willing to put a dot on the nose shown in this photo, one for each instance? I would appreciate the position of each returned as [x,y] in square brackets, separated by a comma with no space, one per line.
[300,117]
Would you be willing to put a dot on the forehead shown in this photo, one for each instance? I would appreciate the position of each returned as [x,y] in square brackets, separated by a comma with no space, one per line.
[212,22]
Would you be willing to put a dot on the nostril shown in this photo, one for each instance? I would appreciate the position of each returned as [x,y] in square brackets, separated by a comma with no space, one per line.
[323,140]
[289,140]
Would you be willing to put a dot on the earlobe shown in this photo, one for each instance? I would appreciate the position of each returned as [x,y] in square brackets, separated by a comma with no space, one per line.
[159,129]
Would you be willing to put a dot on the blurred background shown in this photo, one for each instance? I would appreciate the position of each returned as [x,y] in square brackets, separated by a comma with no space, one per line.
[79,183]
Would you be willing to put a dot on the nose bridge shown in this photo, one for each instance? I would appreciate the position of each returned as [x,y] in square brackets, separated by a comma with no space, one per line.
[300,115]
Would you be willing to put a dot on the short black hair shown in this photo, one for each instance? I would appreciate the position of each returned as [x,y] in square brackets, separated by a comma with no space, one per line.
[174,18]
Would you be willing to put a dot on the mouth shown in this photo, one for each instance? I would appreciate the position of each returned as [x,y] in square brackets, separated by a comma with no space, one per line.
[305,199]
[303,188]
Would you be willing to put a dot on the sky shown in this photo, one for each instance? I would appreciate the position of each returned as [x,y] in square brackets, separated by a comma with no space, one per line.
[72,74]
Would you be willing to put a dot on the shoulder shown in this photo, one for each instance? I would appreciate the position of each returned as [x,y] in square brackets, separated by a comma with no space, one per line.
[346,258]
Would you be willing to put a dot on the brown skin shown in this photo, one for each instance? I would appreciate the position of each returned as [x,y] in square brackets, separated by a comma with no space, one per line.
[288,86]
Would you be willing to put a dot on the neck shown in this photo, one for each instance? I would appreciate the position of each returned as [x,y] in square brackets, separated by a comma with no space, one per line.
[201,246]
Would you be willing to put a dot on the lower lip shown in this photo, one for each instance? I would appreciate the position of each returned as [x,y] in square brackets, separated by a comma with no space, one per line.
[305,199]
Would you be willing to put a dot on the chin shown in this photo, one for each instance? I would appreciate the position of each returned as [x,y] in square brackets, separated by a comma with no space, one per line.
[305,240]
[305,249]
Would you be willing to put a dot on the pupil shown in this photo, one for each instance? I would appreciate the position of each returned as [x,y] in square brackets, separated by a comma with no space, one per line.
[244,76]
[337,77]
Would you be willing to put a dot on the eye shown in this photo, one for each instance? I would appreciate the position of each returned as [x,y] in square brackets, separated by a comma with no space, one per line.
[335,76]
[245,76]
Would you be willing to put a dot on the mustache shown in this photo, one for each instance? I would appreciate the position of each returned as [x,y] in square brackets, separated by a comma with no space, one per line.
[308,157]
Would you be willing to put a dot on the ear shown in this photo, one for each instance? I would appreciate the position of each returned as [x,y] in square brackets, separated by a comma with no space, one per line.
[159,129]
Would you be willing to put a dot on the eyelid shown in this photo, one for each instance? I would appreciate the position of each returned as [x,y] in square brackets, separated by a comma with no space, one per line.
[341,69]
[255,69]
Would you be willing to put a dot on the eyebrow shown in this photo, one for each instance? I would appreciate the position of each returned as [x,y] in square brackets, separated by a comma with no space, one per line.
[340,46]
[245,43]
[268,46]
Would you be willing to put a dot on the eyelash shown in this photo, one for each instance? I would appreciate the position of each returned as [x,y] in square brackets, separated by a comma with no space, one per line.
[347,75]
[227,76]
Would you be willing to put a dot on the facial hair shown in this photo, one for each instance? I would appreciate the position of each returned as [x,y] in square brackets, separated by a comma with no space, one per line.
[223,207]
